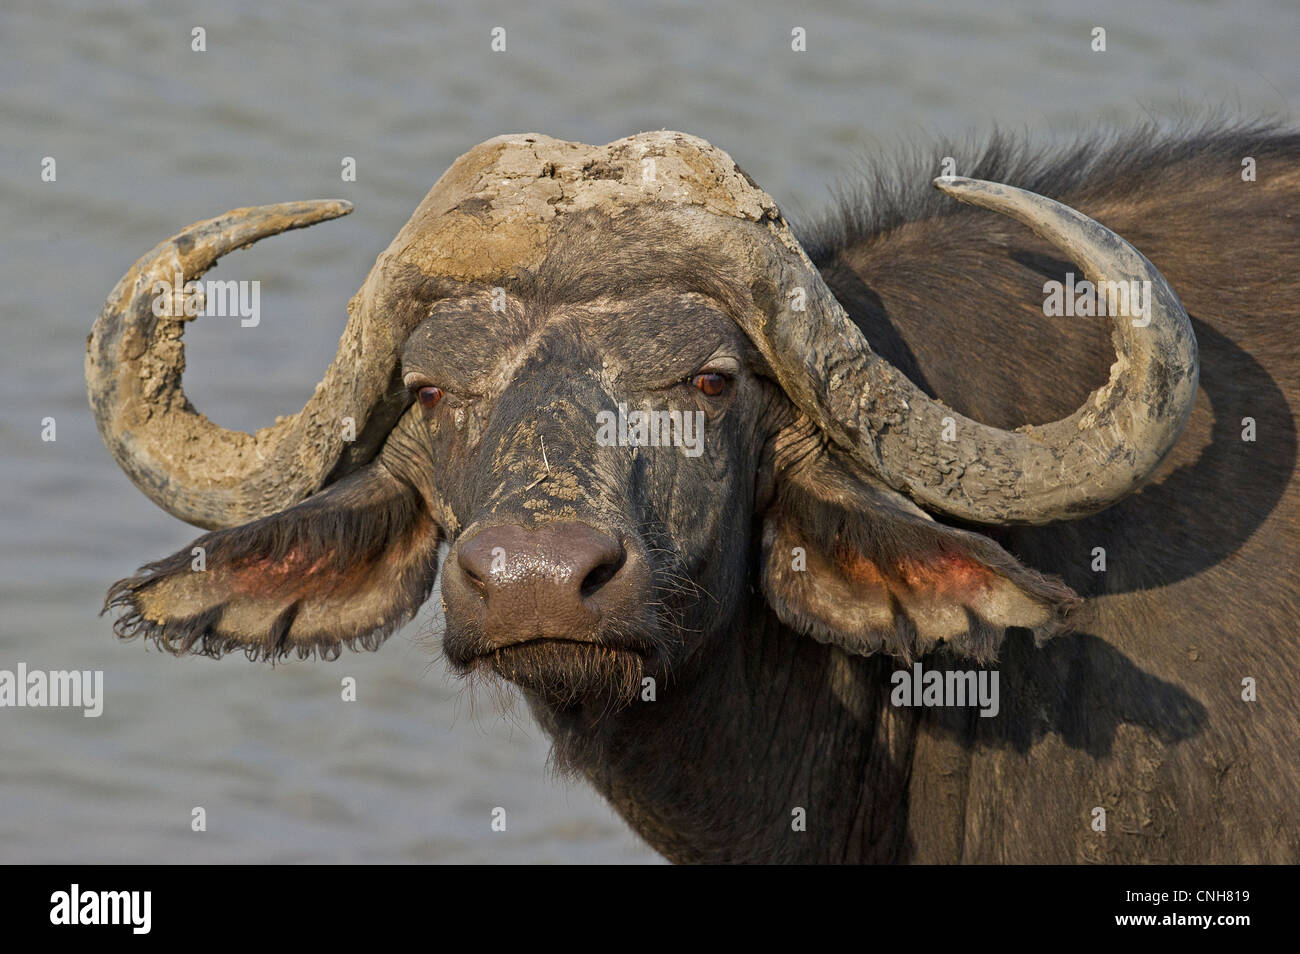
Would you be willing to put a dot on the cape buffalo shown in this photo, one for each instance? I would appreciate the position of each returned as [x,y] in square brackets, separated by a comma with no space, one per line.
[1098,511]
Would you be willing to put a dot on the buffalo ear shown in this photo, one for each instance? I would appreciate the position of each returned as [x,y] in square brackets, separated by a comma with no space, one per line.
[851,562]
[345,567]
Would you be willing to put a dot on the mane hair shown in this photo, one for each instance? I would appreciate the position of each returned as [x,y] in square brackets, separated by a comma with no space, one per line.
[886,194]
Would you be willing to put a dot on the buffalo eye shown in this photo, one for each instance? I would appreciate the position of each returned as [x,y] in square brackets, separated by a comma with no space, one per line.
[428,396]
[710,382]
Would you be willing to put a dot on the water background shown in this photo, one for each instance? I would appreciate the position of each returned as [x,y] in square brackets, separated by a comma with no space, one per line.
[149,136]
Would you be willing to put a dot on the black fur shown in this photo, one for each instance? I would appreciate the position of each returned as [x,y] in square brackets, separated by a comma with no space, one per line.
[887,194]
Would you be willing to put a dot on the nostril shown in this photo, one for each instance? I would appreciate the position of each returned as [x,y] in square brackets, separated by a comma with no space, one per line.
[475,564]
[557,569]
[474,579]
[601,575]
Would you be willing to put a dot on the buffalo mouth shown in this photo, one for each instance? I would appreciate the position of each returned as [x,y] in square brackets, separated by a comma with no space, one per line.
[565,671]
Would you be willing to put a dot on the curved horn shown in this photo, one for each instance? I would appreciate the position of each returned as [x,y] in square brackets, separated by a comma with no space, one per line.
[195,470]
[1035,474]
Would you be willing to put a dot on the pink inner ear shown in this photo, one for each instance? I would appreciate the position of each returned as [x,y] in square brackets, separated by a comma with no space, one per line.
[943,572]
[293,576]
[948,571]
[299,575]
[859,569]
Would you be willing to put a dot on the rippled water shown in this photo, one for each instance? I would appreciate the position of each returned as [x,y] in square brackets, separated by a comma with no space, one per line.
[149,136]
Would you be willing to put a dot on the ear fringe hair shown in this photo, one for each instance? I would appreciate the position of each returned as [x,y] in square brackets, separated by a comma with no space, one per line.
[851,519]
[339,527]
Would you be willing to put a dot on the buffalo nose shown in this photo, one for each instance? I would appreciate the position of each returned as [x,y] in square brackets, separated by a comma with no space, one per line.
[552,581]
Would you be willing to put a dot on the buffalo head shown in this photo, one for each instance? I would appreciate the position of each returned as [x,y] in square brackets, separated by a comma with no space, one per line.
[609,389]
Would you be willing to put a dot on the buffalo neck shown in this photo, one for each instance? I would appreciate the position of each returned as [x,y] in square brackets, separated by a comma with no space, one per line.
[780,748]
